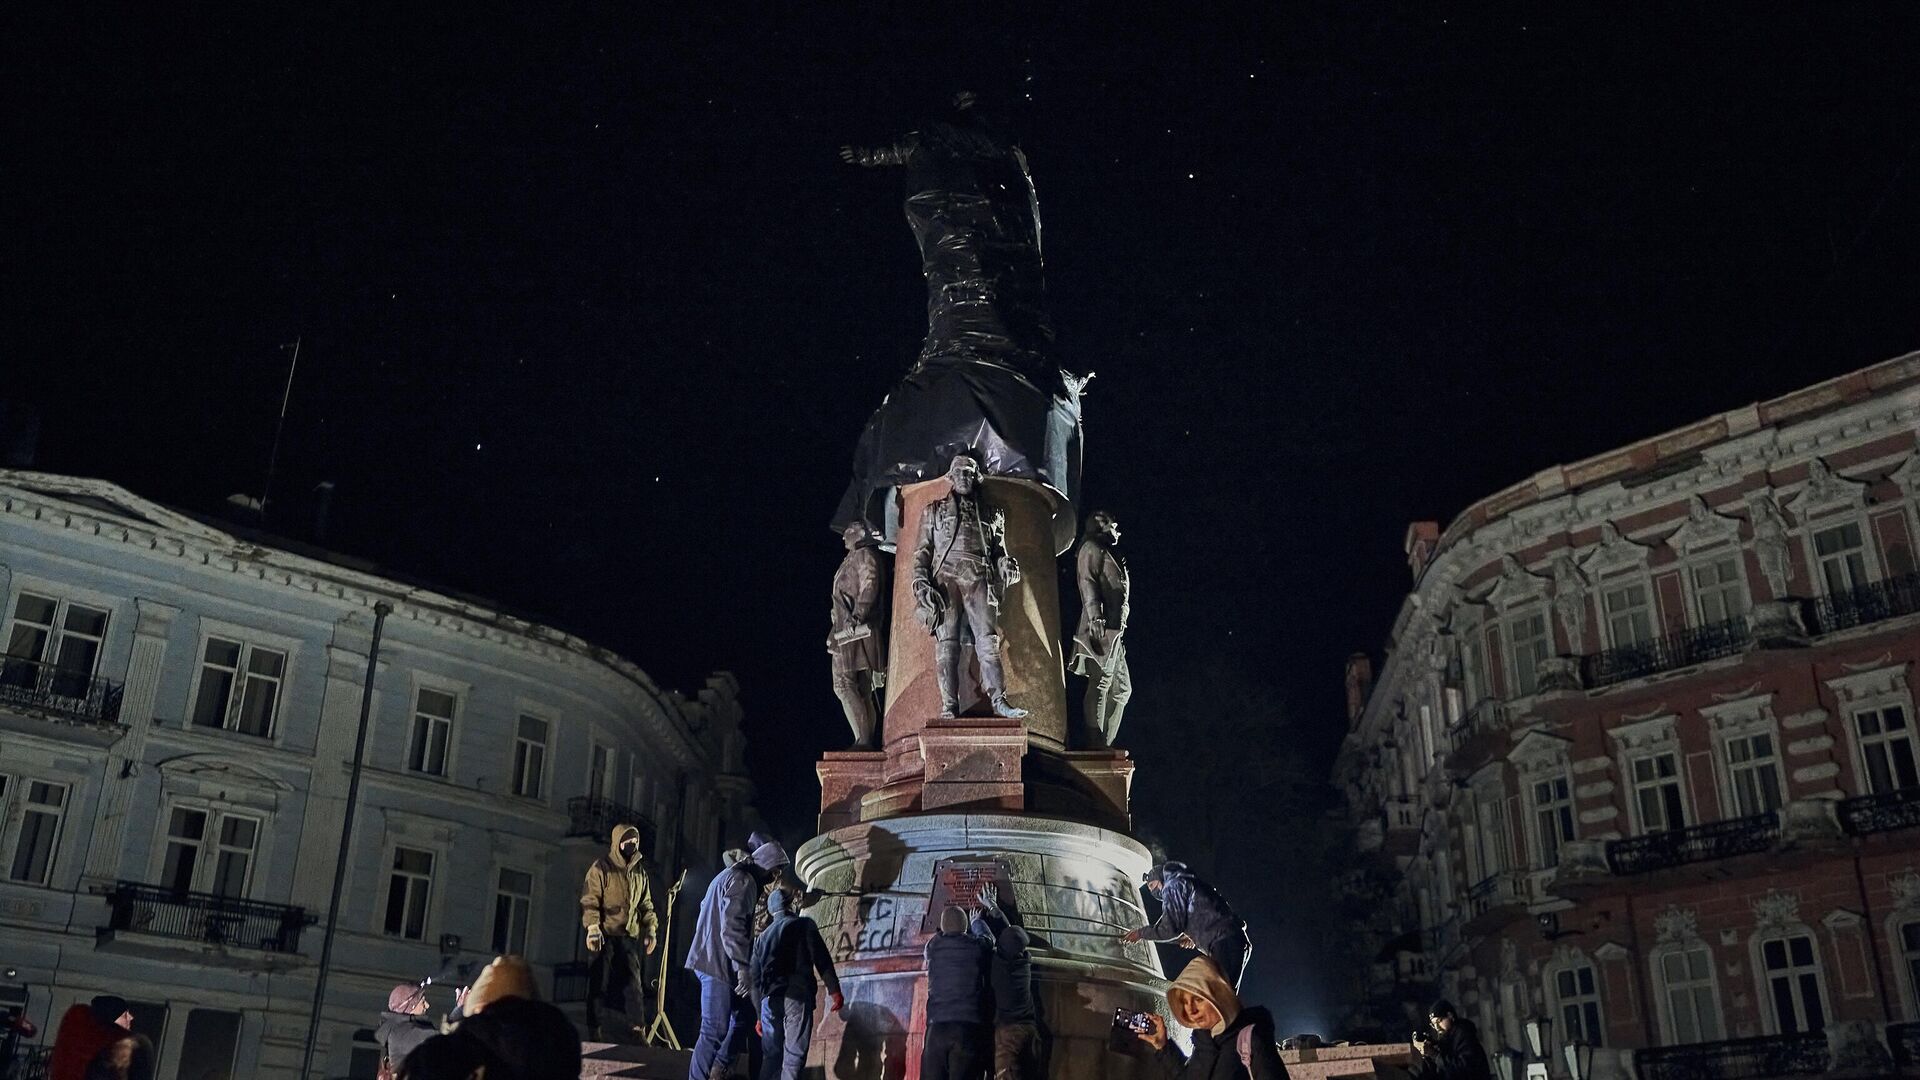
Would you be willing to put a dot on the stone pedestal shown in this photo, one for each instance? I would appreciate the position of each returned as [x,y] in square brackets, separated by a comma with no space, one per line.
[972,764]
[1075,886]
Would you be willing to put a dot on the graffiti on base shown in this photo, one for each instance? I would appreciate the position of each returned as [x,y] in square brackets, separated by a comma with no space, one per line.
[874,929]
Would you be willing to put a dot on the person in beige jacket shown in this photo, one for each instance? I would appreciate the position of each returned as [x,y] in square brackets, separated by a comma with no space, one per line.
[616,908]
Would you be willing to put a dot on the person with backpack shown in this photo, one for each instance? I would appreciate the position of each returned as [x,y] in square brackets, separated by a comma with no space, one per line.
[1196,916]
[1230,1041]
[786,956]
[403,1027]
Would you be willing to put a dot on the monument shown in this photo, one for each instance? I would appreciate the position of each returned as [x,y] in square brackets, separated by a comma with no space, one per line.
[978,774]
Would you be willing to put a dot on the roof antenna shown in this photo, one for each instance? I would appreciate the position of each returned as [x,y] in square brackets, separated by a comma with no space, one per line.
[273,457]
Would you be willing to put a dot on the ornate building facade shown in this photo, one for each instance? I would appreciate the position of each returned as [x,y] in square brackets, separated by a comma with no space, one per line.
[1642,756]
[178,714]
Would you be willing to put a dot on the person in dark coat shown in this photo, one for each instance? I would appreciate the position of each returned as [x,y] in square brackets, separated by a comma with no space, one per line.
[1230,1041]
[84,1029]
[404,1025]
[785,959]
[721,955]
[1019,1048]
[1198,917]
[505,1031]
[959,1002]
[1452,1051]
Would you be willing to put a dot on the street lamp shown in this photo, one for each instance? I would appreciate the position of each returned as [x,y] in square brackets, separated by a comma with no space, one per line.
[1579,1057]
[1539,1036]
[1507,1064]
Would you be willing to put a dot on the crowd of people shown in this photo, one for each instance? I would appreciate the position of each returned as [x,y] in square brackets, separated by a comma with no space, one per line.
[761,965]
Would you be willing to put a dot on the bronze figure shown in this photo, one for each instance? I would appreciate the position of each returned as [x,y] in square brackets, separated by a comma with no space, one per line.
[960,570]
[857,638]
[1099,645]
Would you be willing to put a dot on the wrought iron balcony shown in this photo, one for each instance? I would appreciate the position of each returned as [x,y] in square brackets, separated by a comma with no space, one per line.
[1884,599]
[29,1063]
[594,817]
[1804,1054]
[1694,645]
[1694,844]
[224,921]
[1496,900]
[76,695]
[570,982]
[1885,812]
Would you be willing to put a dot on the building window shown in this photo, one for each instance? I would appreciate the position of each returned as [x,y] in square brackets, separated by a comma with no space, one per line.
[1753,769]
[186,867]
[408,888]
[1886,748]
[512,904]
[38,841]
[1532,643]
[1687,978]
[1579,996]
[1473,667]
[1842,554]
[432,730]
[600,778]
[1719,590]
[1793,984]
[1629,614]
[530,757]
[1910,956]
[1656,792]
[239,687]
[56,634]
[364,1064]
[1553,817]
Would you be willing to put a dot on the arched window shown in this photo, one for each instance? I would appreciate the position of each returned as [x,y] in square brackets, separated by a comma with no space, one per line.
[1689,1002]
[1791,986]
[1575,991]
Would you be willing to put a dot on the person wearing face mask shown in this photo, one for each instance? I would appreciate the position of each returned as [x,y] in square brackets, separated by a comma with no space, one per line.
[616,908]
[1230,1041]
[1195,915]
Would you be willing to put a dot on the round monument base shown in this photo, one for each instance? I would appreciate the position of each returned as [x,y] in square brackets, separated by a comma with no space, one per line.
[1074,887]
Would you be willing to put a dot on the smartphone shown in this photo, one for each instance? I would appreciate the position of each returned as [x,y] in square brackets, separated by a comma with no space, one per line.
[1141,1022]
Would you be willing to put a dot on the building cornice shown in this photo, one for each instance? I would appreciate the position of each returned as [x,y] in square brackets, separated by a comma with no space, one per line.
[34,499]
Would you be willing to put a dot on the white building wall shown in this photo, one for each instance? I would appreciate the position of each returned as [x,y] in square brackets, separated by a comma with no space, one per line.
[168,583]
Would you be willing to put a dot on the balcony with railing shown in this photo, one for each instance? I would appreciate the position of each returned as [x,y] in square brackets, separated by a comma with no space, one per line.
[162,923]
[1884,812]
[1803,1054]
[28,1063]
[49,689]
[1712,841]
[594,818]
[1497,900]
[1887,598]
[1694,645]
[1480,733]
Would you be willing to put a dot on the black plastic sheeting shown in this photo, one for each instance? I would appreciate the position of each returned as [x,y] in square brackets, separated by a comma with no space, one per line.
[1012,427]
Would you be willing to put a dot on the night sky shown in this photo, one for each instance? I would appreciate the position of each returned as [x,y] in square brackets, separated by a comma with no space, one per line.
[592,313]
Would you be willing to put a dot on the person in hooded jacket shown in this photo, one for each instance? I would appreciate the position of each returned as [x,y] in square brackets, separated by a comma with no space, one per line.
[721,955]
[785,960]
[959,1002]
[84,1029]
[1019,1047]
[616,908]
[1230,1042]
[1194,914]
[404,1025]
[505,1033]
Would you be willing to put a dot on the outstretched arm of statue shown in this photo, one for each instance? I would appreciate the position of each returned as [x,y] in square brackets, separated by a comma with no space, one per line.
[870,157]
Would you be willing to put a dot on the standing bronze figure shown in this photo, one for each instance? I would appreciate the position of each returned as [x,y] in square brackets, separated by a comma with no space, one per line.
[960,571]
[1099,645]
[857,637]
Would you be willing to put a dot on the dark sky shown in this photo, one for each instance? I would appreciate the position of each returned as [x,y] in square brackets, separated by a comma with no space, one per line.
[592,313]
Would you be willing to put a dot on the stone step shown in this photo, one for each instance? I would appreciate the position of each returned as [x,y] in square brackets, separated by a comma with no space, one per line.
[625,1059]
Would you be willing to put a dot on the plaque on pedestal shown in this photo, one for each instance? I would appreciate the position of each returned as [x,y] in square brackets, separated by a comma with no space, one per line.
[957,883]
